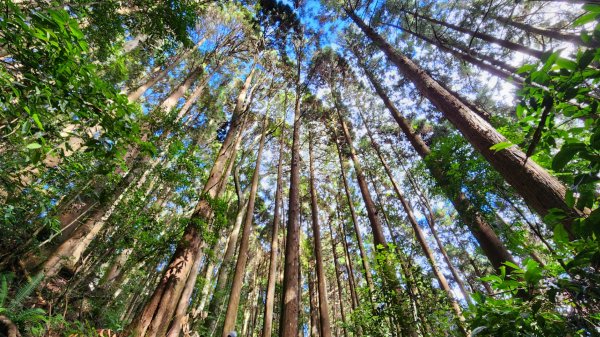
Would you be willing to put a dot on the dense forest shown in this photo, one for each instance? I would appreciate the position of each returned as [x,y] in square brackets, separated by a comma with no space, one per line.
[299,168]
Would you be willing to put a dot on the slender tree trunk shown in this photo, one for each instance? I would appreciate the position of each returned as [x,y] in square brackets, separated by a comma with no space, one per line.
[273,260]
[349,266]
[361,247]
[240,267]
[537,187]
[158,311]
[291,276]
[387,270]
[322,287]
[314,315]
[337,279]
[418,232]
[497,68]
[491,245]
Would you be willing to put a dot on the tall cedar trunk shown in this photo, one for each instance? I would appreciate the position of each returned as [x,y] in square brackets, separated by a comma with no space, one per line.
[337,280]
[553,34]
[240,267]
[387,269]
[408,275]
[418,231]
[313,304]
[489,242]
[538,188]
[291,276]
[218,298]
[158,75]
[158,311]
[485,37]
[273,260]
[322,287]
[361,247]
[349,266]
[430,217]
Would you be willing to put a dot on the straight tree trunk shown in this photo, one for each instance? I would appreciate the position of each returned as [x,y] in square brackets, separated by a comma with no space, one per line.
[273,260]
[418,232]
[553,34]
[539,189]
[313,302]
[337,279]
[387,270]
[159,309]
[322,287]
[503,70]
[489,242]
[291,277]
[361,247]
[240,267]
[349,266]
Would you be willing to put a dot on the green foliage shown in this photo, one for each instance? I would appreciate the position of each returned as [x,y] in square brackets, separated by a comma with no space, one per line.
[31,320]
[52,91]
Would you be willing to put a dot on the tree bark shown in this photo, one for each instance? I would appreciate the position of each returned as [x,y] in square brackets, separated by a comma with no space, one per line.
[387,270]
[418,233]
[338,281]
[553,34]
[291,276]
[158,311]
[270,296]
[322,287]
[489,242]
[363,254]
[538,188]
[240,267]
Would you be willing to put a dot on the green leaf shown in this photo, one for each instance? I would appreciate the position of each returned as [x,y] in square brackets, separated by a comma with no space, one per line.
[586,58]
[588,17]
[560,234]
[501,146]
[565,155]
[36,119]
[567,64]
[594,8]
[33,146]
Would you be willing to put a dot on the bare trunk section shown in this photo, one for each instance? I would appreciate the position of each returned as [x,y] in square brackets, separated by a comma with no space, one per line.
[270,296]
[418,232]
[491,245]
[322,287]
[482,36]
[291,276]
[387,269]
[240,267]
[538,188]
[553,34]
[338,281]
[361,247]
[157,313]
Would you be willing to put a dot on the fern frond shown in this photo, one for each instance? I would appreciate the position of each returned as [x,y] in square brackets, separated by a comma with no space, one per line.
[25,291]
[3,289]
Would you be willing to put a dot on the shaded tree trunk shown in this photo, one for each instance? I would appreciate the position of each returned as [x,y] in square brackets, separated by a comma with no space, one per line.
[322,287]
[158,311]
[240,267]
[273,260]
